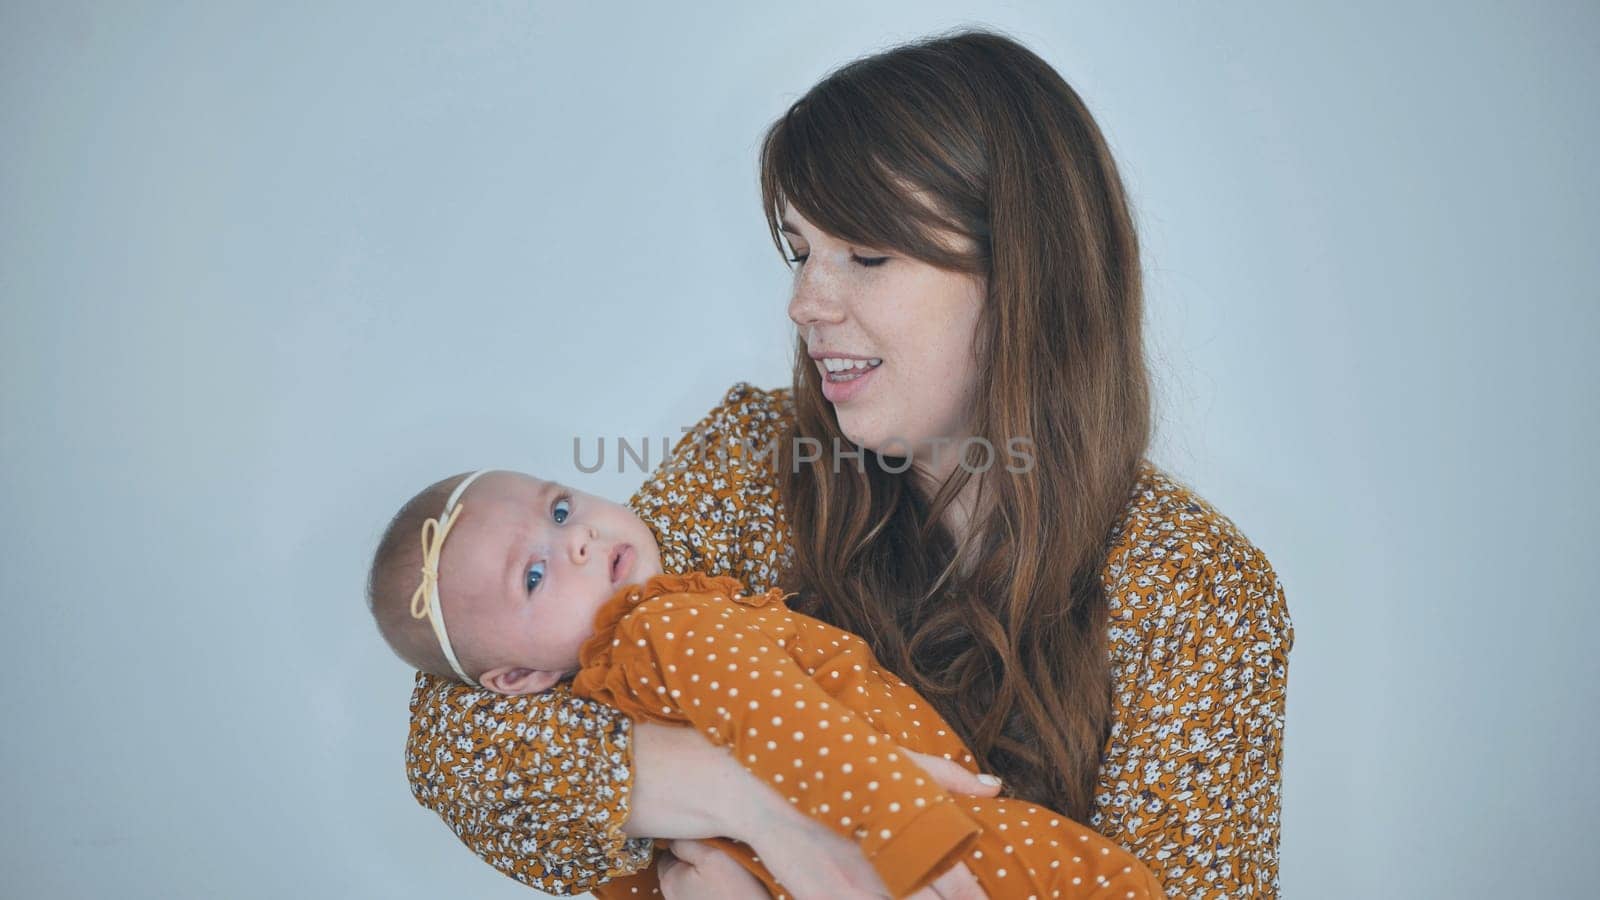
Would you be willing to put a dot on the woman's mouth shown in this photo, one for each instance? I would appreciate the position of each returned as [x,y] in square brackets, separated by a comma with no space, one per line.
[839,370]
[843,379]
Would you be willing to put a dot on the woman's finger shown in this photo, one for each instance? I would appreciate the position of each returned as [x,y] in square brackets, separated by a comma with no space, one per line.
[694,853]
[958,883]
[664,864]
[953,777]
[706,873]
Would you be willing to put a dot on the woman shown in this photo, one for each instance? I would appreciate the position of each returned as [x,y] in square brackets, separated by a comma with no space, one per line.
[957,475]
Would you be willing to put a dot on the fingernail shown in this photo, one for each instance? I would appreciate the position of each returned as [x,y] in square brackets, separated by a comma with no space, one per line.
[990,780]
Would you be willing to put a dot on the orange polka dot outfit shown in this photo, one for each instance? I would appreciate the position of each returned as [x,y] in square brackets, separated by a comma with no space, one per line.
[1198,637]
[808,709]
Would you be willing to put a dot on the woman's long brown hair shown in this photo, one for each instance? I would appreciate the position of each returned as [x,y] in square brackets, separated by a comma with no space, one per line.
[974,135]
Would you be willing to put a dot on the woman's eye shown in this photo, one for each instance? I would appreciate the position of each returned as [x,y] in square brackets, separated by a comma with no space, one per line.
[535,575]
[561,510]
[867,261]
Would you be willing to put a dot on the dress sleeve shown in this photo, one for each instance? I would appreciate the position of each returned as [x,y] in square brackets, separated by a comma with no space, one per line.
[538,786]
[1192,781]
[713,505]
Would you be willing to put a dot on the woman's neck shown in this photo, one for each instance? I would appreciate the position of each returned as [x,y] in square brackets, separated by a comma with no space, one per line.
[959,514]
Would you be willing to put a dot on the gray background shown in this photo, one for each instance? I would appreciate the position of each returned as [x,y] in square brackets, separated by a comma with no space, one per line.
[266,270]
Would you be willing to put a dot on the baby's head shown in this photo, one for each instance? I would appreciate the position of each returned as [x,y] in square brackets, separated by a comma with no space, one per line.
[522,569]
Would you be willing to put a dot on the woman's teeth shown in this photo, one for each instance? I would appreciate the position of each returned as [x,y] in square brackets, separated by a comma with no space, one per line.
[848,369]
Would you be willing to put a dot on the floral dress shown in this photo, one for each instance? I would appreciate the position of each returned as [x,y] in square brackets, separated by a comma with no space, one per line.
[1199,635]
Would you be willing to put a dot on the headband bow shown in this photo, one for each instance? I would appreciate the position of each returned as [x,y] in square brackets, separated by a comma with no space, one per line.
[425,600]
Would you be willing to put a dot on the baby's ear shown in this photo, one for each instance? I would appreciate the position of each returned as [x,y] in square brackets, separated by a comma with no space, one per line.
[514,680]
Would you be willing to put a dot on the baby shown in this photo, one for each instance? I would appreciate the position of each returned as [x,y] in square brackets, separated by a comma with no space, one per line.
[545,584]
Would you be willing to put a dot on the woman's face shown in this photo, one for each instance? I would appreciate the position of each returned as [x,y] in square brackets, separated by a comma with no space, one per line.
[904,329]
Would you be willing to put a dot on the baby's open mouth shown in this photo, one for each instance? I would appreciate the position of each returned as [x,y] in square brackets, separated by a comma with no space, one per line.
[621,562]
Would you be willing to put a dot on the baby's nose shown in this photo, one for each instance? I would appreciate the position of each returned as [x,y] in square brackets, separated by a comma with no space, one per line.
[580,546]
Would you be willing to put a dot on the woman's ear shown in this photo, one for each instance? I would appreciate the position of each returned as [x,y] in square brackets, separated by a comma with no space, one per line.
[514,680]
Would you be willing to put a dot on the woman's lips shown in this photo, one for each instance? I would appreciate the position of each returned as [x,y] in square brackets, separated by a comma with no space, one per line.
[843,391]
[621,563]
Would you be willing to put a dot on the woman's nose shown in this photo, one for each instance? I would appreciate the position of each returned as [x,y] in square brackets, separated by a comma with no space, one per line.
[813,301]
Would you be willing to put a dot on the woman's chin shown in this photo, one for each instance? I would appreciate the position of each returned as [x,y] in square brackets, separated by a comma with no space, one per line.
[856,436]
[869,436]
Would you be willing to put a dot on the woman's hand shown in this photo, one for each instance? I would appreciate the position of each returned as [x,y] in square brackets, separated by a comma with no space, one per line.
[811,860]
[952,777]
[694,870]
[956,882]
[685,787]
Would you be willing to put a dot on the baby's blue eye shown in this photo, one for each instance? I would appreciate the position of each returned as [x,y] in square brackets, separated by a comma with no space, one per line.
[535,575]
[561,510]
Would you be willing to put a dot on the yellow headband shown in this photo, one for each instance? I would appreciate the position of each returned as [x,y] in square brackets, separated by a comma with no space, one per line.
[425,600]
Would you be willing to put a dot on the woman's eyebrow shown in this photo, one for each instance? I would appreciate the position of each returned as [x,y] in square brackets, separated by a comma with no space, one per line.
[789,227]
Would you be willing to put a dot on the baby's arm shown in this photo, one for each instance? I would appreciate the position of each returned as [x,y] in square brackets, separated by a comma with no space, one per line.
[687,656]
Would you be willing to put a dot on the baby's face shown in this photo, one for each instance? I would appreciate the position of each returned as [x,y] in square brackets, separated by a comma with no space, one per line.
[527,566]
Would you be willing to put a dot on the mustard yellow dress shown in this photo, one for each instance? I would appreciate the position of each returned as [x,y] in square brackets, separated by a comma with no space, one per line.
[1199,639]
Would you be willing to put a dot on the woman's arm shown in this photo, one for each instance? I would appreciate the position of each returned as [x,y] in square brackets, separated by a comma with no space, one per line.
[1191,777]
[536,785]
[696,871]
[803,854]
[714,504]
[540,786]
